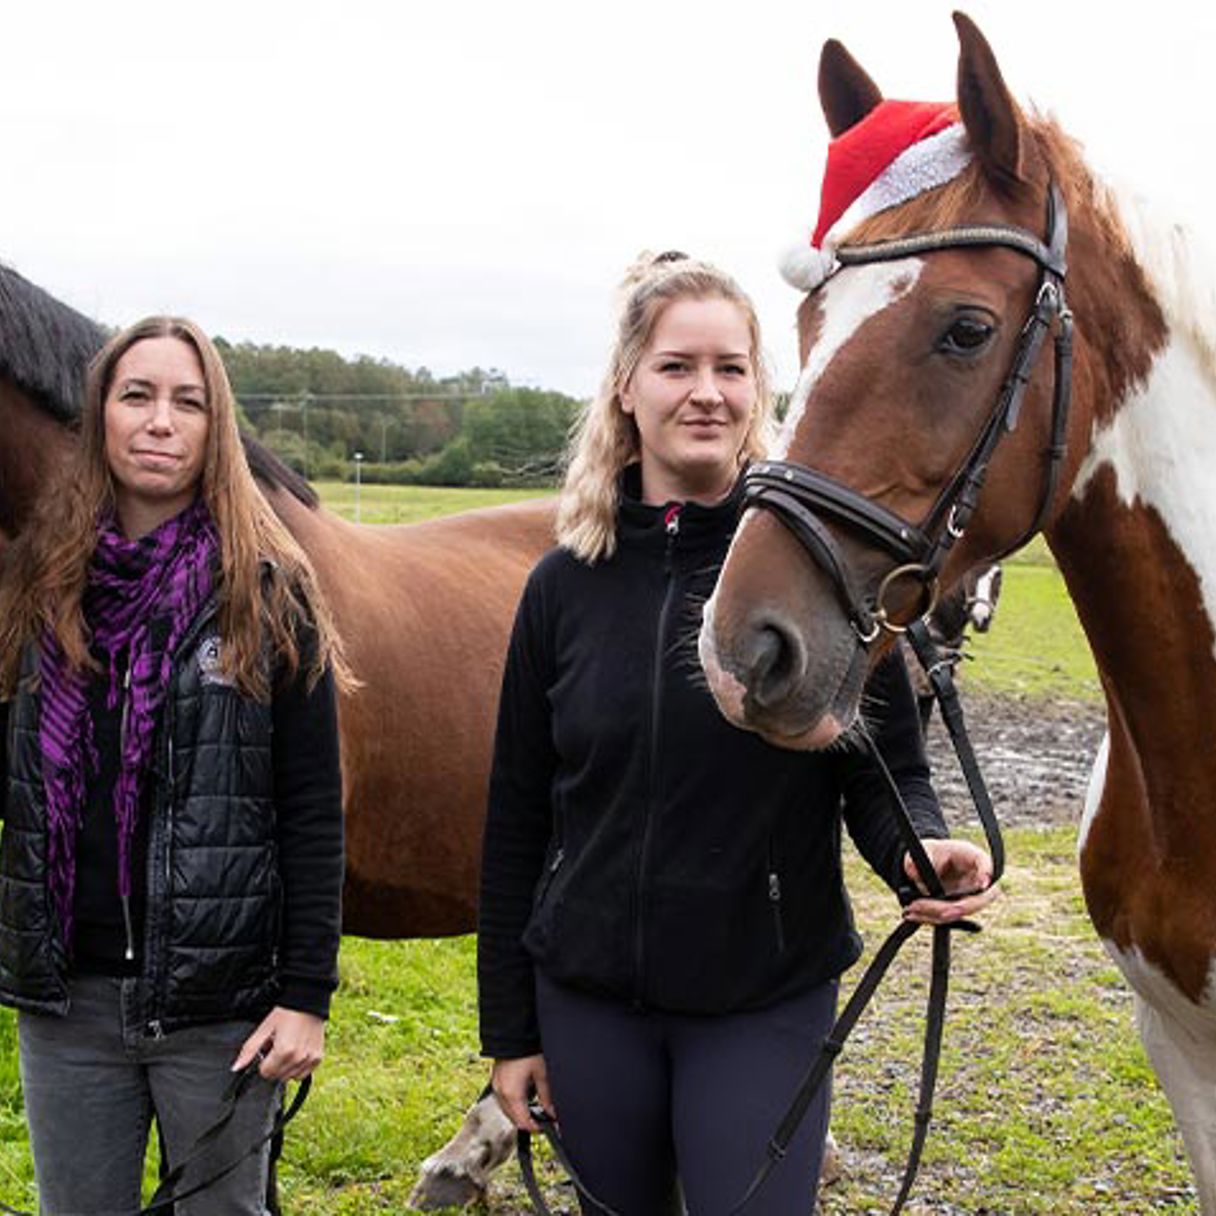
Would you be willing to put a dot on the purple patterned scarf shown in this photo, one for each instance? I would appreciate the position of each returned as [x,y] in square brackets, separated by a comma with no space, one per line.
[161,579]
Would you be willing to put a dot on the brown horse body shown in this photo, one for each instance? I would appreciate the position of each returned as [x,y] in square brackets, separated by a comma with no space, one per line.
[888,406]
[425,610]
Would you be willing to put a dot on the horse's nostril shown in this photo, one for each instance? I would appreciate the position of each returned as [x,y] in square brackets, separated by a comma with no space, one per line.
[776,664]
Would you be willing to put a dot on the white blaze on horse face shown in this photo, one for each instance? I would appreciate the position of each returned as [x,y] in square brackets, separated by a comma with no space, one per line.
[1161,445]
[848,300]
[983,603]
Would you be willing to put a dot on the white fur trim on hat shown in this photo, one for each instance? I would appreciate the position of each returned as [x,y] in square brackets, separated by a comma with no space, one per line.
[931,162]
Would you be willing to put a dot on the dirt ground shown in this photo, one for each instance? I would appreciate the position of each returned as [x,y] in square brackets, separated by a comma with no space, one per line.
[1035,756]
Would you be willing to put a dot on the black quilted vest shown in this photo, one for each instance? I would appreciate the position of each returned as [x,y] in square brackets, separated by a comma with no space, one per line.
[213,914]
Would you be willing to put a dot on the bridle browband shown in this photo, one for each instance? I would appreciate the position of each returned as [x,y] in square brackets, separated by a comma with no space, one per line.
[799,495]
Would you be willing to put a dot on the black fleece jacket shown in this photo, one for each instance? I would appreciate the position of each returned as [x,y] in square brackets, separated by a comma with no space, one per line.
[639,847]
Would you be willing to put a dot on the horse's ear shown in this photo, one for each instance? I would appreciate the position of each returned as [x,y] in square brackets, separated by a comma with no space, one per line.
[994,125]
[846,93]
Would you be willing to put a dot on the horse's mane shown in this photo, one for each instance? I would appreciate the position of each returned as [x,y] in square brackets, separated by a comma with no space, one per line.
[45,350]
[1182,271]
[274,474]
[45,346]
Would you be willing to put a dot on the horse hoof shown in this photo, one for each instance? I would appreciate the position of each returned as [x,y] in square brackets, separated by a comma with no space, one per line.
[445,1189]
[831,1169]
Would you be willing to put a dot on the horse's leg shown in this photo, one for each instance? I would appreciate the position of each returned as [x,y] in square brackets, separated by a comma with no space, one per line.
[1185,1064]
[460,1171]
[831,1169]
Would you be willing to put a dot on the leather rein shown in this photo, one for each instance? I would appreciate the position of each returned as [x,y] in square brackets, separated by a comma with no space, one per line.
[165,1198]
[798,496]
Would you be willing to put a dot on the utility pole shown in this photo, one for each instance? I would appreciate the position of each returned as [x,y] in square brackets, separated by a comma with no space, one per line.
[304,417]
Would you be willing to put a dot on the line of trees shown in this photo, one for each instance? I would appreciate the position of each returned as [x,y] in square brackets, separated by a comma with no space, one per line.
[317,409]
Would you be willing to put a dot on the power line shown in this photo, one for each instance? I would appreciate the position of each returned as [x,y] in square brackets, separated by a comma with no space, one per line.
[298,398]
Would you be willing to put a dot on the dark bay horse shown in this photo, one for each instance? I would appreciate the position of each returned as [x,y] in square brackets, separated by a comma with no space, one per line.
[425,610]
[907,360]
[969,605]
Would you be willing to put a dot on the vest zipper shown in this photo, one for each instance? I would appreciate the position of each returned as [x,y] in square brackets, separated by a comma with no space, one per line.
[671,524]
[129,952]
[157,976]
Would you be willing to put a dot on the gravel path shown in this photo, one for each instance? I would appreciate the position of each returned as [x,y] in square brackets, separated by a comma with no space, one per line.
[1035,756]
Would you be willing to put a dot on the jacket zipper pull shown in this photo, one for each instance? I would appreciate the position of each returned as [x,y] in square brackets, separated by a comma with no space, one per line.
[774,895]
[671,525]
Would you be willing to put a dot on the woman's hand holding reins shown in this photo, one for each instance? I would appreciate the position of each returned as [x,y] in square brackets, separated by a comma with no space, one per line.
[963,868]
[290,1042]
[514,1082]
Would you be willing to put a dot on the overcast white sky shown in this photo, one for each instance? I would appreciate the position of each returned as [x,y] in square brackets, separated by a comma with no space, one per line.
[449,184]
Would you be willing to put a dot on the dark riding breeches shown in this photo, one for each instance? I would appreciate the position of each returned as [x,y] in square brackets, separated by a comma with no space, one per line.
[646,1098]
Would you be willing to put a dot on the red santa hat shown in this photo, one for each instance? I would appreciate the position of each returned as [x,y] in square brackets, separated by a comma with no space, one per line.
[899,150]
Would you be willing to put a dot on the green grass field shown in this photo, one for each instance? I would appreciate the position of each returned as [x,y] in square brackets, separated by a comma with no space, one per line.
[1046,1103]
[408,504]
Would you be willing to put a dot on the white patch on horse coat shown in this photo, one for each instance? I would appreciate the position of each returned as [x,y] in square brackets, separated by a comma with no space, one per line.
[1161,444]
[1093,791]
[1180,1039]
[1180,268]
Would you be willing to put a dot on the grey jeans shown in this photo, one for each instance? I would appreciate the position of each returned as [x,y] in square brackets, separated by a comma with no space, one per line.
[92,1082]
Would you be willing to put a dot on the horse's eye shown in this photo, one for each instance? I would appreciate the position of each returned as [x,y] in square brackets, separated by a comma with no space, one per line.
[967,336]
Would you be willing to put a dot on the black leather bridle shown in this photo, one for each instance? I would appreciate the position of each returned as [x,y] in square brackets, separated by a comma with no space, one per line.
[799,496]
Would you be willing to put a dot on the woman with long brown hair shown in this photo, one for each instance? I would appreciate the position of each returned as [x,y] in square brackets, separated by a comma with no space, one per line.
[171,858]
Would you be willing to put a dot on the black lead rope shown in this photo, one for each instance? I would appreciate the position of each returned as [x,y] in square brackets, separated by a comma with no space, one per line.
[163,1199]
[938,669]
[523,1150]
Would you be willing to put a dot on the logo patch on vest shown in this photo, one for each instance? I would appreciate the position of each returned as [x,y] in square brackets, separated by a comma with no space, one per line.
[210,663]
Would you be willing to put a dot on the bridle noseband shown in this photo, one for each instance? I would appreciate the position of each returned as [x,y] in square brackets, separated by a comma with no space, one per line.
[799,496]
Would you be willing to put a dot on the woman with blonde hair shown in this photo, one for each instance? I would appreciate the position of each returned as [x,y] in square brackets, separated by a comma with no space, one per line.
[171,859]
[662,916]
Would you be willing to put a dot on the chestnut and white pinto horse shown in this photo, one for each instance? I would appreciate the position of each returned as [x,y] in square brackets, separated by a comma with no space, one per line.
[903,361]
